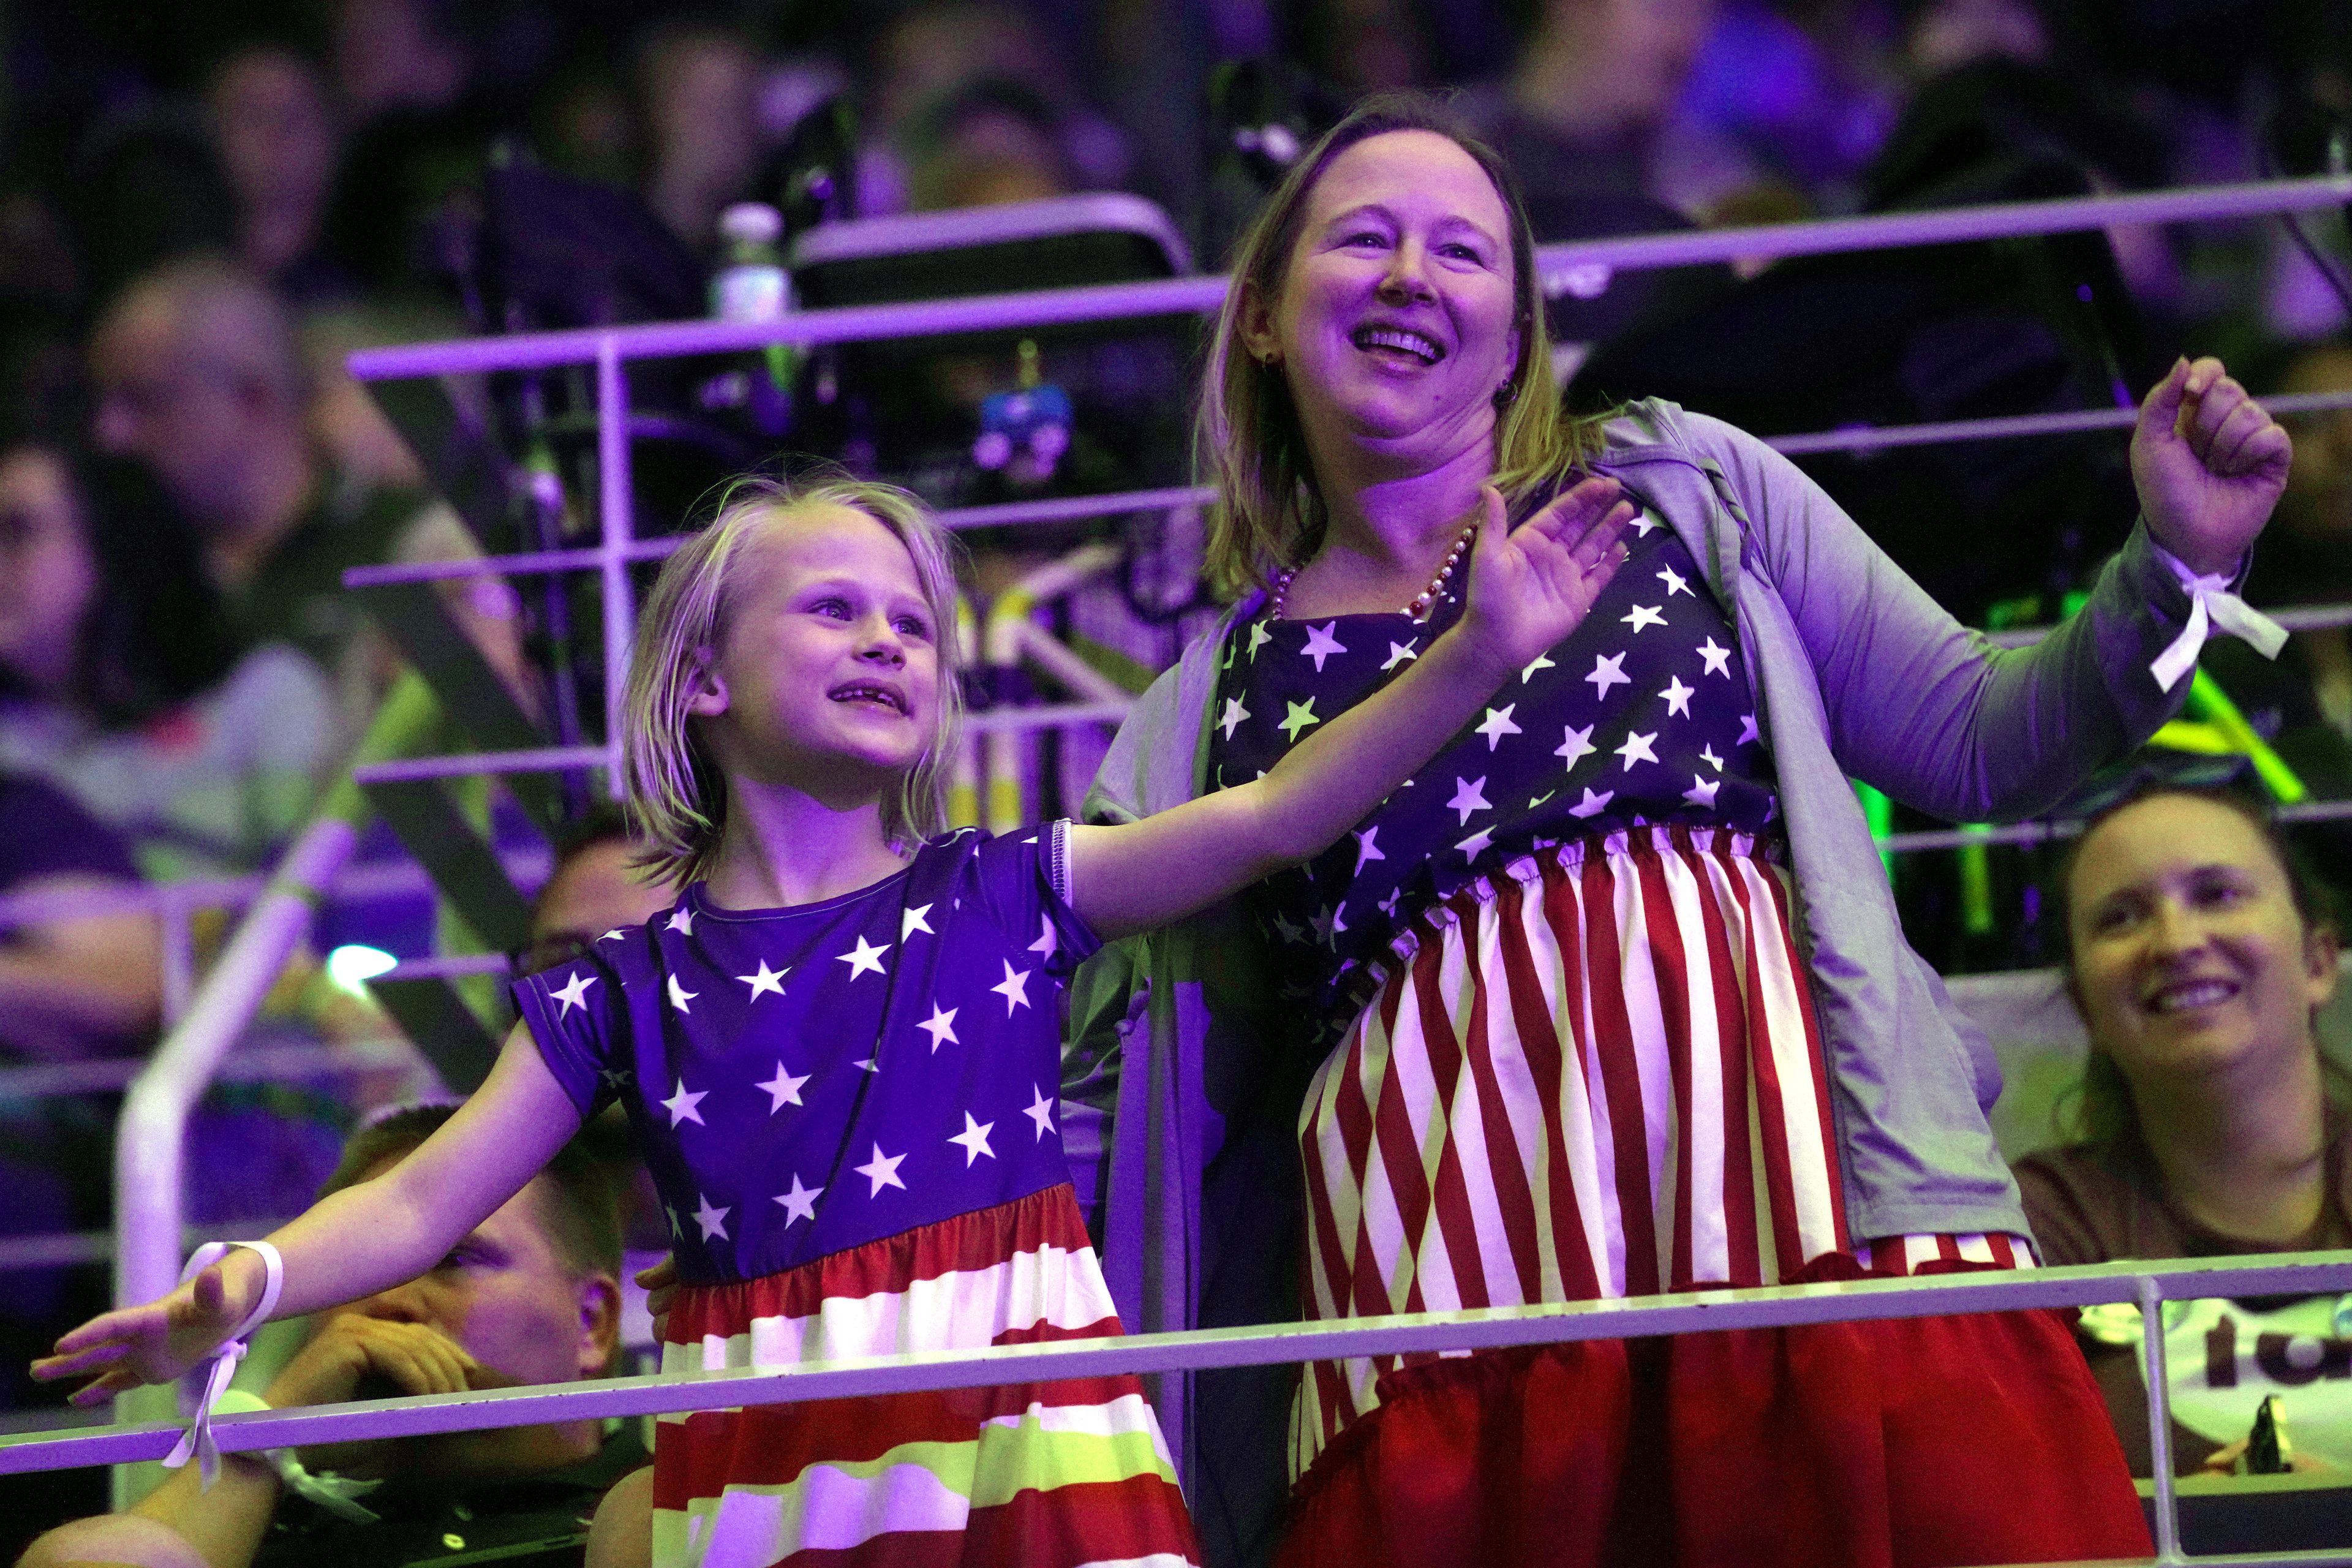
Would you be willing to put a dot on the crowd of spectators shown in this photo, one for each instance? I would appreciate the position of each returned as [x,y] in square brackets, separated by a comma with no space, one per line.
[202,210]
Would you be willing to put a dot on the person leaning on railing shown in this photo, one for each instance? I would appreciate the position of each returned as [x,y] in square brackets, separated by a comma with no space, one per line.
[2210,1119]
[1613,999]
[531,1296]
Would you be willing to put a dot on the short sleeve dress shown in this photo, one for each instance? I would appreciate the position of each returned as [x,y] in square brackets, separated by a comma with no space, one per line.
[848,1110]
[1568,1051]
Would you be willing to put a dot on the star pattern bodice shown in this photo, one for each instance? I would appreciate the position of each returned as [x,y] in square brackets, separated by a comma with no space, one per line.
[806,1080]
[1643,714]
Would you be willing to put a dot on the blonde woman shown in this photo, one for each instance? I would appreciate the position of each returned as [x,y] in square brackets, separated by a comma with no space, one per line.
[838,1048]
[1613,1000]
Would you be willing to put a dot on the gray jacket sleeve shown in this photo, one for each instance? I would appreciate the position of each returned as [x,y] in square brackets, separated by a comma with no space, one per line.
[1920,705]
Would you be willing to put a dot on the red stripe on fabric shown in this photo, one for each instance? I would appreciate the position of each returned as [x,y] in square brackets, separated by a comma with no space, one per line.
[1092,1521]
[1360,1282]
[1540,1044]
[1815,1051]
[1506,1163]
[1564,912]
[769,1445]
[1671,969]
[1053,1333]
[1771,1100]
[1948,1249]
[2004,1255]
[1621,1082]
[1326,1260]
[1451,1191]
[981,1239]
[1746,1262]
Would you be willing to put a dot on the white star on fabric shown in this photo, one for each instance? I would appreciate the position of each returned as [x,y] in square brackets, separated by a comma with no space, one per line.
[1321,921]
[1608,672]
[1047,942]
[573,990]
[862,958]
[1389,904]
[1366,850]
[1644,615]
[681,921]
[800,1203]
[613,935]
[1747,730]
[712,1220]
[1259,637]
[1677,696]
[673,1227]
[1706,754]
[1321,645]
[1397,653]
[1013,988]
[1702,790]
[1644,524]
[1289,932]
[1636,749]
[1041,1112]
[974,1140]
[940,1026]
[679,995]
[1234,716]
[783,1089]
[869,1064]
[680,1106]
[1535,801]
[765,980]
[1477,843]
[1675,583]
[1469,795]
[1302,714]
[1718,660]
[1497,725]
[1542,661]
[882,1171]
[619,1078]
[918,918]
[1592,804]
[1576,746]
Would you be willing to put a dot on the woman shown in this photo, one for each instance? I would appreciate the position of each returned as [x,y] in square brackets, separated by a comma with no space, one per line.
[1613,998]
[2210,1122]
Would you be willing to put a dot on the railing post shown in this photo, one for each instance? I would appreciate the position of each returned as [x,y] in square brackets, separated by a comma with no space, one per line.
[2160,1420]
[618,532]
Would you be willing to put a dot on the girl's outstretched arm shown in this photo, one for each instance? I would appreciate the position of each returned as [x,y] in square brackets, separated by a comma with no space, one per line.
[1529,587]
[362,1239]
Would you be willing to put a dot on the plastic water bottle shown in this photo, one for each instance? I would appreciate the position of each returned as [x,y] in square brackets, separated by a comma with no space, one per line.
[751,286]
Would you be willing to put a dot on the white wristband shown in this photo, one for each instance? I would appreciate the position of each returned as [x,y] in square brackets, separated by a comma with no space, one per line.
[2211,607]
[222,1366]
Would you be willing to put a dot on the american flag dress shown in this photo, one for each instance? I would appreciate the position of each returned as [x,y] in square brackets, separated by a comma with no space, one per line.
[1567,1049]
[848,1110]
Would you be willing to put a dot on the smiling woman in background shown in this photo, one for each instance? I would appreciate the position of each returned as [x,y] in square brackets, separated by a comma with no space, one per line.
[2211,1122]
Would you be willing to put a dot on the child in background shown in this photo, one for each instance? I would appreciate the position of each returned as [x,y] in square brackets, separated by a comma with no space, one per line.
[839,1046]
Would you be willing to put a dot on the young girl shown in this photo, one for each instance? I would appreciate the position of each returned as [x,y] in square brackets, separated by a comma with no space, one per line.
[840,1047]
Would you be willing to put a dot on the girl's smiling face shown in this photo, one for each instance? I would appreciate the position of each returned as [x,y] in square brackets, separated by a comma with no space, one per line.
[1395,322]
[827,675]
[2190,957]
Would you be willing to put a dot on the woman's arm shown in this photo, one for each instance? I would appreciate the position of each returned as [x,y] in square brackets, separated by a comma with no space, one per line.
[351,1243]
[1529,589]
[1929,711]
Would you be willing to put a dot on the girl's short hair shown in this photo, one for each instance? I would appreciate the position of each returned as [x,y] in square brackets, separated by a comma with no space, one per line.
[1269,515]
[2097,1111]
[674,795]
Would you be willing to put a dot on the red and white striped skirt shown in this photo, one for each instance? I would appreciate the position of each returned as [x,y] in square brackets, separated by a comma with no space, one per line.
[1595,1075]
[1056,1475]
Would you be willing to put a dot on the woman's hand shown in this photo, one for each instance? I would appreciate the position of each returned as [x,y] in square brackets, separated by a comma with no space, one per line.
[660,1282]
[159,1341]
[1532,585]
[2210,464]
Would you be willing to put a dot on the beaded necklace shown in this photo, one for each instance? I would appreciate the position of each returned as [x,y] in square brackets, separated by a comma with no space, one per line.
[1423,603]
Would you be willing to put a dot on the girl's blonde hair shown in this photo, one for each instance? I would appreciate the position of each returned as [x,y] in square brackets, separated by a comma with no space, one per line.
[676,797]
[1269,515]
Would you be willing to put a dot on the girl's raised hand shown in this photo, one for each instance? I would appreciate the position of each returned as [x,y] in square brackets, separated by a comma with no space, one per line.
[155,1342]
[2210,464]
[1532,585]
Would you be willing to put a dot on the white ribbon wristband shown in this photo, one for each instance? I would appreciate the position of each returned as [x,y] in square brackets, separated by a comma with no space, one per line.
[339,1495]
[2211,607]
[222,1365]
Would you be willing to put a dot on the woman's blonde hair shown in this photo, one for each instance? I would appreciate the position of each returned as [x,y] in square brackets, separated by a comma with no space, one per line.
[676,796]
[1269,515]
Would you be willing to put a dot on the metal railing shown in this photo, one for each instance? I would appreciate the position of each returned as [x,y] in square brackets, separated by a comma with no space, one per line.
[2143,1286]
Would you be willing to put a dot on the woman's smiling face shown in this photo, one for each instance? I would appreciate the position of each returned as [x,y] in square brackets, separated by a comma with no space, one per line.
[1395,322]
[2190,957]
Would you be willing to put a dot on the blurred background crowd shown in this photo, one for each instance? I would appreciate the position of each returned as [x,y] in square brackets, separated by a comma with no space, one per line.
[204,209]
